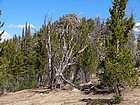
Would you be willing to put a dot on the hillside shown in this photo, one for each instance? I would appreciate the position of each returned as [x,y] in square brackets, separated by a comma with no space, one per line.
[64,97]
[73,61]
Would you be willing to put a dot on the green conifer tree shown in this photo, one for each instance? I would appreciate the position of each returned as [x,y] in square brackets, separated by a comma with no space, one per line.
[27,45]
[1,64]
[137,55]
[138,42]
[40,56]
[118,70]
[87,60]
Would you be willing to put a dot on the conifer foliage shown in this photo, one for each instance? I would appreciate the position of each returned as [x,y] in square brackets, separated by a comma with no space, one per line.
[69,51]
[1,72]
[118,69]
[137,53]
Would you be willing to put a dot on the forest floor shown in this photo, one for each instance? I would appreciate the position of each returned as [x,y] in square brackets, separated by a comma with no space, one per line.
[64,97]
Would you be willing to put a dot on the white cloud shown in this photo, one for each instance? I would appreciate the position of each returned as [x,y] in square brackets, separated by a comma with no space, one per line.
[20,25]
[5,36]
[15,26]
[137,27]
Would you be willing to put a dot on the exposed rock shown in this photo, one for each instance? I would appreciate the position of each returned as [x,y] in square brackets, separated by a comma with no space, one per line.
[75,90]
[70,18]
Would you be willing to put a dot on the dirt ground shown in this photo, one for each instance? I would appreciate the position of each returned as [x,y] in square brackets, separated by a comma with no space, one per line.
[63,97]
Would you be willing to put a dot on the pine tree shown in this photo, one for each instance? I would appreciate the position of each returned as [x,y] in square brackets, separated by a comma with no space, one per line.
[27,44]
[118,70]
[15,64]
[3,66]
[138,42]
[5,70]
[137,55]
[1,60]
[40,56]
[88,60]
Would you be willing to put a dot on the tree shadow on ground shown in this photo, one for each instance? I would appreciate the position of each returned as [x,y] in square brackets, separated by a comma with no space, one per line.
[90,101]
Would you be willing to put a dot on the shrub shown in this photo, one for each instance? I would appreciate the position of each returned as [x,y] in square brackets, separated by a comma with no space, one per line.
[96,102]
[116,99]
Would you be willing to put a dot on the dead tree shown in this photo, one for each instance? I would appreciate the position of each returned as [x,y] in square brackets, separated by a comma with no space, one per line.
[47,31]
[63,55]
[68,53]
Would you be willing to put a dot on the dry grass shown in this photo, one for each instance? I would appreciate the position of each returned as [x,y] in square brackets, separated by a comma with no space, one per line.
[63,97]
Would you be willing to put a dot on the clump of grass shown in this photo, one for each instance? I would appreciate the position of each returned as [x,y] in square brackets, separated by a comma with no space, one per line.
[116,99]
[96,102]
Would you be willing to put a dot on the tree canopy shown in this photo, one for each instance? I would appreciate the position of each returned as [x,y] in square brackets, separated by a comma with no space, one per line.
[70,50]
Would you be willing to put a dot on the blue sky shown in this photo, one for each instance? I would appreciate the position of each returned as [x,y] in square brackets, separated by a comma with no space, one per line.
[15,13]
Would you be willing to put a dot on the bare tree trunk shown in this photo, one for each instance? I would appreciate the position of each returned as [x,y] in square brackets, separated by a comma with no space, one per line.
[48,46]
[75,75]
[47,29]
[57,64]
[69,82]
[1,91]
[85,74]
[118,90]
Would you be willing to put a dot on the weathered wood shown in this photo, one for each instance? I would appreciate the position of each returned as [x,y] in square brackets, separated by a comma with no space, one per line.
[57,64]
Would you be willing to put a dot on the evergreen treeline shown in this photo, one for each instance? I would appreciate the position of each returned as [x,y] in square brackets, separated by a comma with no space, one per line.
[70,50]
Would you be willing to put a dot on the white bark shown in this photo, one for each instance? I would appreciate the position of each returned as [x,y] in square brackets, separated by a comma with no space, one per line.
[47,29]
[68,54]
